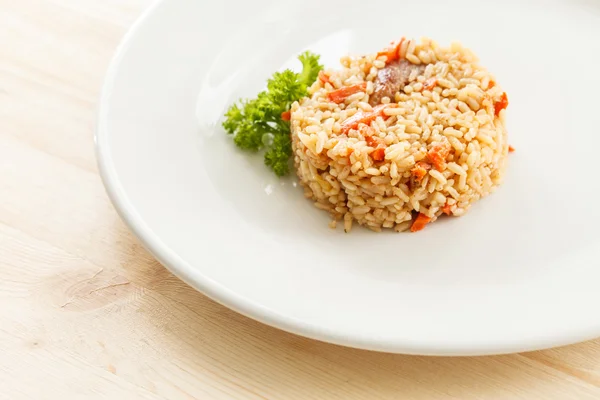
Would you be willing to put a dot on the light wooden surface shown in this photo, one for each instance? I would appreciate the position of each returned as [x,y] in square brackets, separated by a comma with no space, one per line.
[86,313]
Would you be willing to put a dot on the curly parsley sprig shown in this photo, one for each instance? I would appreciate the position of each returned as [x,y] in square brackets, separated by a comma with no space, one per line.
[262,123]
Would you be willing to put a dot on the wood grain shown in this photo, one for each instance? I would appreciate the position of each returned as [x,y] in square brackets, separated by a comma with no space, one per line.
[86,312]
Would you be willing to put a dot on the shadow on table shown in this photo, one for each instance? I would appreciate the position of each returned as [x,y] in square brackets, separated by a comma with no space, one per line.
[263,362]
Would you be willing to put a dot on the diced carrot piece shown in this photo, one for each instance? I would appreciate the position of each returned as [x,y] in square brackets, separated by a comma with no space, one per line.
[400,47]
[367,67]
[378,154]
[429,84]
[365,117]
[286,115]
[491,84]
[392,53]
[420,222]
[420,170]
[501,104]
[510,149]
[350,151]
[373,141]
[339,95]
[324,77]
[446,209]
[366,130]
[437,155]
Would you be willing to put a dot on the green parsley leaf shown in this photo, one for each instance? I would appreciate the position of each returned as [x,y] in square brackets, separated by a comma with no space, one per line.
[278,156]
[256,124]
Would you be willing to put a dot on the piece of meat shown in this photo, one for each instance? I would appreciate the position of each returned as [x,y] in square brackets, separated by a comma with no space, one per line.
[392,79]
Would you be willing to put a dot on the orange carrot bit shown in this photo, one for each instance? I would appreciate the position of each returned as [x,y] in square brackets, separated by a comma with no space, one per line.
[501,104]
[378,154]
[420,170]
[365,117]
[446,209]
[324,77]
[339,95]
[420,222]
[367,67]
[366,130]
[437,155]
[400,48]
[350,151]
[430,83]
[286,115]
[491,84]
[510,149]
[392,53]
[373,141]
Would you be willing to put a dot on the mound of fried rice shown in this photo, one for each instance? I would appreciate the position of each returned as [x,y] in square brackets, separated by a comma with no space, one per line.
[434,147]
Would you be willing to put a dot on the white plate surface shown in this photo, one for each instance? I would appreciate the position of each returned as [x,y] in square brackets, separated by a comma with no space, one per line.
[520,271]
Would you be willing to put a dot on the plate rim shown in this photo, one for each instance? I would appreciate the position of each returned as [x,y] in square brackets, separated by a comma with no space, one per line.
[230,299]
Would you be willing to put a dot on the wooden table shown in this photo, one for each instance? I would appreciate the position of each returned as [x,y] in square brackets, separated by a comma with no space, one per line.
[87,313]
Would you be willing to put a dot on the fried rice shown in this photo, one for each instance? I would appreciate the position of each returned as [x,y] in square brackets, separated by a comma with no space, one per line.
[398,138]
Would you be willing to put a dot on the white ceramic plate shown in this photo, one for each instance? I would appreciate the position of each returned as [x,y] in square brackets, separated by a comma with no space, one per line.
[520,271]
